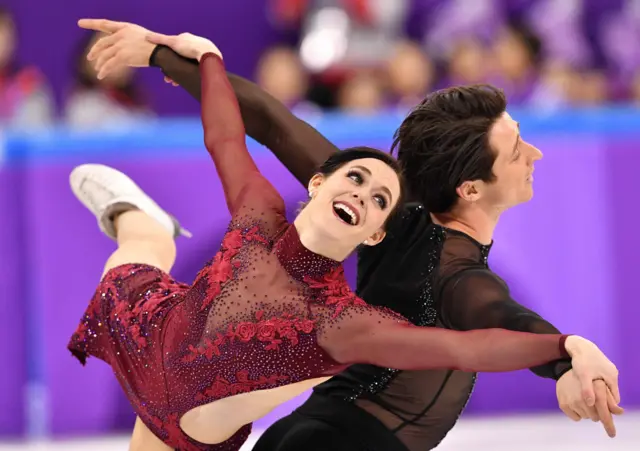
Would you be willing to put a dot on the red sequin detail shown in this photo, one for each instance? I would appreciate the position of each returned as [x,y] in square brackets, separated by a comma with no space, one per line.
[221,388]
[271,331]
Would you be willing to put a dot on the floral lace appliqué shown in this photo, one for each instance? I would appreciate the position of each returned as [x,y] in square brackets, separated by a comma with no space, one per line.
[335,290]
[130,318]
[220,269]
[271,331]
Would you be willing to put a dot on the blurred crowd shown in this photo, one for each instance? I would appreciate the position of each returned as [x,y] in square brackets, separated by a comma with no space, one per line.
[27,100]
[364,56]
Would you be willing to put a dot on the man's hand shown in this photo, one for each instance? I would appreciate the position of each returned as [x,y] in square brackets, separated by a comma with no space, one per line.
[124,44]
[572,402]
[589,364]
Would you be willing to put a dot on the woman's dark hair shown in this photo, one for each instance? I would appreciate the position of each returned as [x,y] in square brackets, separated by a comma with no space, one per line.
[340,158]
[444,142]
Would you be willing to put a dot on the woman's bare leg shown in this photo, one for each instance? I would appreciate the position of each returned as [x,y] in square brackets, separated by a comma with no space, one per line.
[144,233]
[141,239]
[145,440]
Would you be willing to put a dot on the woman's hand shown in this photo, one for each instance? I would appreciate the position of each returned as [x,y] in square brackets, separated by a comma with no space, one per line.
[590,364]
[185,44]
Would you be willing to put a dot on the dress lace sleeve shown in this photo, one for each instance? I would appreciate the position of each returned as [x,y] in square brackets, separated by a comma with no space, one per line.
[225,140]
[478,299]
[365,334]
[299,146]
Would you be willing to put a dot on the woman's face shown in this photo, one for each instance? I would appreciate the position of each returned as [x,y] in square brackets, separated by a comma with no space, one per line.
[354,202]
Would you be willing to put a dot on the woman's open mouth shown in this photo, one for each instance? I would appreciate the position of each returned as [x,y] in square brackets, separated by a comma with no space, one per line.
[346,213]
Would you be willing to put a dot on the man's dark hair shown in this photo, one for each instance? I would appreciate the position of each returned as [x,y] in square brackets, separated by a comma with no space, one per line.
[444,142]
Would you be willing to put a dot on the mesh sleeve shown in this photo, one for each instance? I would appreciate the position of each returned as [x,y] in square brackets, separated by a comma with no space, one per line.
[478,299]
[299,146]
[225,141]
[366,334]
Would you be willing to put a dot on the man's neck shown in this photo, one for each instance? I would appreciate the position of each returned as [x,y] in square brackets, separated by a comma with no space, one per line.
[474,221]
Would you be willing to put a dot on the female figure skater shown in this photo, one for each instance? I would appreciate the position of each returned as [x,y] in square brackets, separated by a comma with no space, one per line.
[271,315]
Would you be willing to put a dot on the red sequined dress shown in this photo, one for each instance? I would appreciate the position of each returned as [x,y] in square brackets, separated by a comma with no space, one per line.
[263,313]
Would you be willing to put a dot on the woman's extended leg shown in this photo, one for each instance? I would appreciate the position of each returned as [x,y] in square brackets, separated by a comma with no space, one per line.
[144,440]
[141,239]
[144,233]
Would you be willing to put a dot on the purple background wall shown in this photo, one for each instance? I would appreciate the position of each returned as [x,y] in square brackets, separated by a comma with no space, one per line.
[570,254]
[12,320]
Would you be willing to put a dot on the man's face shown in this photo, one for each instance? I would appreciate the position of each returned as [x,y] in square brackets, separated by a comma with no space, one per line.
[513,167]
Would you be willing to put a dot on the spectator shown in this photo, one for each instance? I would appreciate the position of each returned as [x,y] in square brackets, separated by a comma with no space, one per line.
[25,98]
[410,74]
[362,93]
[281,74]
[517,54]
[467,63]
[111,101]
